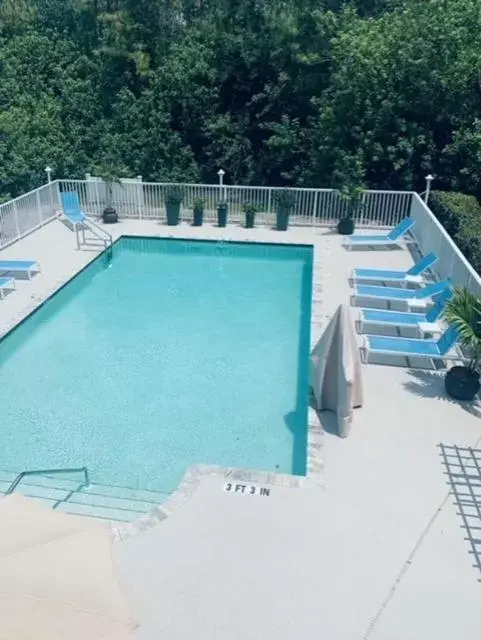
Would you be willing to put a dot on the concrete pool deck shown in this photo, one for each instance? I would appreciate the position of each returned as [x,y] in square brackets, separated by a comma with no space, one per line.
[375,550]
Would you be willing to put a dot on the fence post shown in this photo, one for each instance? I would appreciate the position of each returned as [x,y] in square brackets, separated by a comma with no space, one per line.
[50,197]
[57,204]
[363,208]
[314,206]
[269,200]
[97,198]
[39,207]
[15,217]
[139,190]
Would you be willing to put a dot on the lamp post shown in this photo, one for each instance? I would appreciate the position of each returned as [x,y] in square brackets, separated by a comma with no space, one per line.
[48,171]
[429,179]
[221,174]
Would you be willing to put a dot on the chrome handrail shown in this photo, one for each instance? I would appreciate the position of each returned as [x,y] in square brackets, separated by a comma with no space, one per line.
[46,472]
[97,226]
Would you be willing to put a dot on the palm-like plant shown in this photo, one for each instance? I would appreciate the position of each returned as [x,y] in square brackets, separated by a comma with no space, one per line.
[463,311]
[352,195]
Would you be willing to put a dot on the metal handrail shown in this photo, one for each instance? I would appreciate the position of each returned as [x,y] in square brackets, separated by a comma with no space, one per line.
[94,228]
[97,226]
[46,472]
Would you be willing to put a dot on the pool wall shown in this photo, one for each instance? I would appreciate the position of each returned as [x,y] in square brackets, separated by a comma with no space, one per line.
[312,280]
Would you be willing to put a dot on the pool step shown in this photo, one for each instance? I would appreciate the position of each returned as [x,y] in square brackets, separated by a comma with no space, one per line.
[107,502]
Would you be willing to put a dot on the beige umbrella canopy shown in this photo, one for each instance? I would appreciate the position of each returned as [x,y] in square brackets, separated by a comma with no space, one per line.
[57,580]
[335,370]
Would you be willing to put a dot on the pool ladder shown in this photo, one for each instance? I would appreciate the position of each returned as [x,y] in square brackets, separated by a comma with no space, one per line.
[96,230]
[48,472]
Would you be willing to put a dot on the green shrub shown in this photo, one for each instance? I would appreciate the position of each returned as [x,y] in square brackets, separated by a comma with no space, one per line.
[174,195]
[460,215]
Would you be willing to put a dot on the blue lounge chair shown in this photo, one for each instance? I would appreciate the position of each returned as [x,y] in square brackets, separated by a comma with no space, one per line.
[394,238]
[414,274]
[427,323]
[19,266]
[71,207]
[412,297]
[413,347]
[6,283]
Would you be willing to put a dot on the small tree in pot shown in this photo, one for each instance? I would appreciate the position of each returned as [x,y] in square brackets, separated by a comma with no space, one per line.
[352,199]
[222,210]
[463,311]
[285,201]
[111,176]
[198,208]
[250,211]
[173,200]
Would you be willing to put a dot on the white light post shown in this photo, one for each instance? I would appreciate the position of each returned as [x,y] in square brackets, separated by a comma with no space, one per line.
[221,174]
[48,171]
[429,179]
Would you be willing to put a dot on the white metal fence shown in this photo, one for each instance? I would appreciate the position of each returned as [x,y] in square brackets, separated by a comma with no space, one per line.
[146,200]
[27,213]
[432,236]
[314,207]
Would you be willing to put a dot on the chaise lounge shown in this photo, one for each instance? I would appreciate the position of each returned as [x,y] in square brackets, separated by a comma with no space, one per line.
[27,267]
[412,297]
[425,322]
[412,275]
[413,347]
[6,283]
[392,239]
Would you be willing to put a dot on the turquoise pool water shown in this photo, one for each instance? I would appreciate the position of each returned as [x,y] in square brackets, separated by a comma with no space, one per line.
[177,352]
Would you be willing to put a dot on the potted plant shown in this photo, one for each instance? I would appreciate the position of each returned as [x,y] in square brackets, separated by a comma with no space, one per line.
[173,200]
[250,211]
[222,209]
[110,176]
[353,205]
[463,311]
[285,201]
[198,207]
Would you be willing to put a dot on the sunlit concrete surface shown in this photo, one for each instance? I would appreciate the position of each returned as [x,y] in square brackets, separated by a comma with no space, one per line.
[375,551]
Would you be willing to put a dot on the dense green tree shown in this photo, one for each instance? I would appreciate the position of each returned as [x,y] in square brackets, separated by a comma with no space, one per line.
[308,92]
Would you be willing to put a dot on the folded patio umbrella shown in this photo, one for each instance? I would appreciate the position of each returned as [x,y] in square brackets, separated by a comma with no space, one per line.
[57,579]
[335,370]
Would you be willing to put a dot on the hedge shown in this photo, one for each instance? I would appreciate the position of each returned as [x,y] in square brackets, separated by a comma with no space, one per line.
[460,215]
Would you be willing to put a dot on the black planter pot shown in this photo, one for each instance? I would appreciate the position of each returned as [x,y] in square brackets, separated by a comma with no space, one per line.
[222,215]
[198,217]
[345,226]
[250,220]
[462,383]
[282,218]
[173,213]
[109,215]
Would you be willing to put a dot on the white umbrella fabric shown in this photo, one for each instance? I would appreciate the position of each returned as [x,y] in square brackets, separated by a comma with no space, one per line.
[335,370]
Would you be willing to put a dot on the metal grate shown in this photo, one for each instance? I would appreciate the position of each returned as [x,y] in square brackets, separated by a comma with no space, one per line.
[463,468]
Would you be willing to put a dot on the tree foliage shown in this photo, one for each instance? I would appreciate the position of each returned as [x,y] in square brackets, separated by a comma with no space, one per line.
[460,215]
[277,92]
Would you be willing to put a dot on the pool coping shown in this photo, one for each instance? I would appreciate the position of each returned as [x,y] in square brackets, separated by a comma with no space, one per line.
[195,473]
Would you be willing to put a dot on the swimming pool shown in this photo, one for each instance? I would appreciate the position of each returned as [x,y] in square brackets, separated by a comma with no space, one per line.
[173,353]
